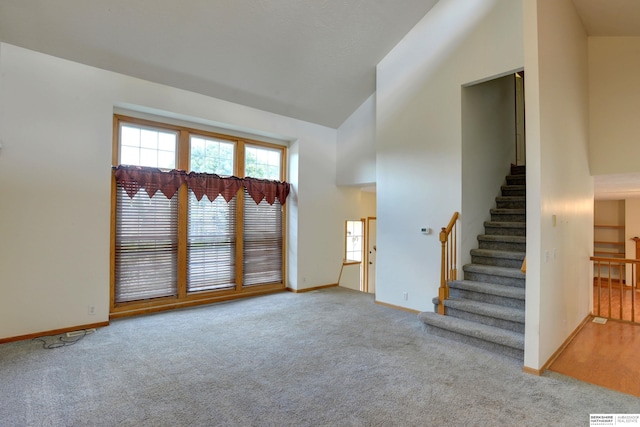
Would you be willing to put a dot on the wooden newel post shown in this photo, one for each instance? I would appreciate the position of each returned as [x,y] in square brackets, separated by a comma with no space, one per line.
[449,242]
[443,291]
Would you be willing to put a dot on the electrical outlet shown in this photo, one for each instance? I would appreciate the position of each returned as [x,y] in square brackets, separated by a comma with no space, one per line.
[91,310]
[405,296]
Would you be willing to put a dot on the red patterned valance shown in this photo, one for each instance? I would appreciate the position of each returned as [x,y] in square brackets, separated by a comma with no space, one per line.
[260,189]
[213,185]
[132,178]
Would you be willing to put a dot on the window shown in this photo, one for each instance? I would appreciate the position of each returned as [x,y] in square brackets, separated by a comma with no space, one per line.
[262,162]
[354,239]
[354,246]
[262,222]
[262,234]
[147,246]
[211,244]
[147,147]
[146,228]
[212,156]
[211,238]
[187,245]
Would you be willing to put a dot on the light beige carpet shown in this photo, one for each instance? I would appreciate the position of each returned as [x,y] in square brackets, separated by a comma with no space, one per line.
[323,358]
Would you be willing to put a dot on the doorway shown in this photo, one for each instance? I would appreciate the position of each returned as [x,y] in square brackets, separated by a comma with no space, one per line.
[490,146]
[521,150]
[358,269]
[353,261]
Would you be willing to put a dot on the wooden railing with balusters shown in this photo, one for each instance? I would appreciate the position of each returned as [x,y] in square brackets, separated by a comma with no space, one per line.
[613,297]
[449,261]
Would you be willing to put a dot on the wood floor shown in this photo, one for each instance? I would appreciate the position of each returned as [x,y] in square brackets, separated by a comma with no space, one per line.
[604,354]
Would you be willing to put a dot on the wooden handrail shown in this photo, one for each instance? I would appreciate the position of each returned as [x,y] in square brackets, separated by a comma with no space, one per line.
[613,289]
[615,260]
[449,260]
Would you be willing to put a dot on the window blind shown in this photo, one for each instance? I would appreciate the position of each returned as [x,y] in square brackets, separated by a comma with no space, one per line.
[146,247]
[262,235]
[211,245]
[173,251]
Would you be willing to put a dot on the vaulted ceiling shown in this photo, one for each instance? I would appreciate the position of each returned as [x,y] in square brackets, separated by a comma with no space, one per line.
[308,59]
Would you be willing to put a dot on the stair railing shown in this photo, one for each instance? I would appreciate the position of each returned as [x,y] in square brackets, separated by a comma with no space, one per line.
[449,261]
[613,297]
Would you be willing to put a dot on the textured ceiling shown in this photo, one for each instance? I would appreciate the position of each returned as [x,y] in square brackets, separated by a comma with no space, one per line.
[308,59]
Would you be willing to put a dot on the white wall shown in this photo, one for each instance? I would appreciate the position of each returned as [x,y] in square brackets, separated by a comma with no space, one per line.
[558,179]
[488,149]
[632,225]
[632,230]
[418,131]
[356,166]
[356,150]
[609,212]
[614,103]
[350,276]
[56,132]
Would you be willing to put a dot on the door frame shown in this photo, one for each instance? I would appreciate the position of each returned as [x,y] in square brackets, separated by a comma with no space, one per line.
[365,269]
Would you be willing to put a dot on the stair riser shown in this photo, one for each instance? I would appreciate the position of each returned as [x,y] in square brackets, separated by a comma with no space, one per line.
[488,298]
[499,217]
[516,180]
[490,278]
[496,262]
[511,204]
[508,191]
[519,170]
[502,246]
[495,348]
[505,231]
[486,320]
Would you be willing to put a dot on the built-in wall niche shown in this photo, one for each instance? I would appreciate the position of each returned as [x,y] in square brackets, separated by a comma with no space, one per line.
[609,233]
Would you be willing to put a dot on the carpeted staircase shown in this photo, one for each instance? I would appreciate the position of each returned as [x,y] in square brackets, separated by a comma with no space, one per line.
[486,309]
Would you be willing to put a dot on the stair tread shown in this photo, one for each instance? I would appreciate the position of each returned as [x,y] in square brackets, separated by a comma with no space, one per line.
[511,198]
[503,238]
[514,186]
[494,253]
[515,273]
[489,288]
[486,309]
[508,211]
[477,330]
[508,224]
